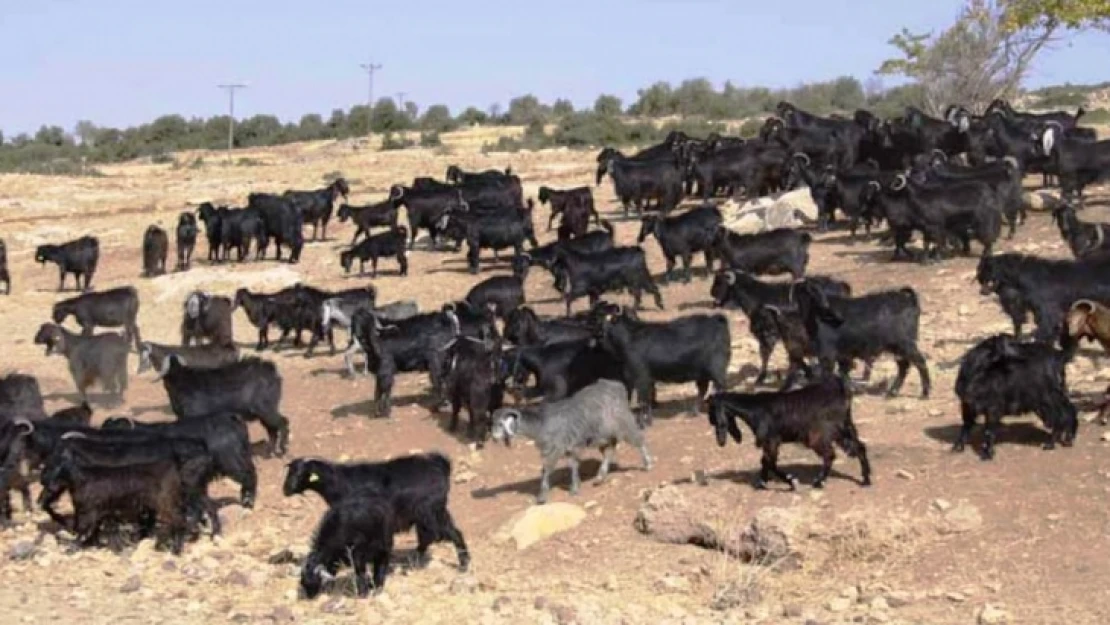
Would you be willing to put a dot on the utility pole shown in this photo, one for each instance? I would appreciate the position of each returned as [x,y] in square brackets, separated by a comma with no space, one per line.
[370,68]
[231,114]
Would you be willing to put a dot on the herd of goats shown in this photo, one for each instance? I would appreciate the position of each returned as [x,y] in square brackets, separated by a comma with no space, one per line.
[951,180]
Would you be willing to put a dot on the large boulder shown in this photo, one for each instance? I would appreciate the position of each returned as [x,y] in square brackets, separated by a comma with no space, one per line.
[536,523]
[785,210]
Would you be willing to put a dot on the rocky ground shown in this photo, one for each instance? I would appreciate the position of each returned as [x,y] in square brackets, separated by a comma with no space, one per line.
[940,538]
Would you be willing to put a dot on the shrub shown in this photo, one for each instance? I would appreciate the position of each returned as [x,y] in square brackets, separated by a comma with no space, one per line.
[390,142]
[1097,116]
[163,158]
[750,127]
[430,140]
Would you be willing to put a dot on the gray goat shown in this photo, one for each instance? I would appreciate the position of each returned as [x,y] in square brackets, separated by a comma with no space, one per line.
[211,356]
[599,416]
[102,357]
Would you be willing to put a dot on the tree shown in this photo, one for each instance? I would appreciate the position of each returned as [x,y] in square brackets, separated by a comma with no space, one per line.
[974,61]
[52,135]
[495,113]
[412,111]
[608,105]
[562,107]
[472,116]
[386,117]
[311,127]
[525,109]
[655,101]
[437,118]
[86,132]
[1074,14]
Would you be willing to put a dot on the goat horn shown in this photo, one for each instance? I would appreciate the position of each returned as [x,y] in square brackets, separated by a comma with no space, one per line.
[72,435]
[730,277]
[26,423]
[803,156]
[449,344]
[1083,303]
[875,183]
[324,573]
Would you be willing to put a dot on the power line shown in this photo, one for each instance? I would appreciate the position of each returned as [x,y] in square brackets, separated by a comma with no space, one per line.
[401,101]
[370,68]
[231,113]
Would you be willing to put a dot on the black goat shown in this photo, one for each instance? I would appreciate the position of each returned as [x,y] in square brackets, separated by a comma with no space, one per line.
[365,218]
[847,328]
[503,293]
[357,530]
[210,216]
[101,357]
[602,272]
[472,381]
[224,435]
[186,239]
[560,368]
[108,309]
[156,245]
[1084,239]
[207,317]
[78,257]
[415,487]
[637,182]
[20,396]
[523,327]
[576,207]
[782,250]
[695,348]
[817,416]
[384,245]
[1003,377]
[282,222]
[249,387]
[425,208]
[153,355]
[316,206]
[238,227]
[1078,162]
[683,235]
[5,276]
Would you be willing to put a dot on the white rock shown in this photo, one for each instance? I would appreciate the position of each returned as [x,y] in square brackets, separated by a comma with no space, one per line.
[993,615]
[539,522]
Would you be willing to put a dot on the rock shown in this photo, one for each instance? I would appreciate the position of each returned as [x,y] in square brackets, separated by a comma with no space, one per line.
[898,599]
[464,584]
[23,550]
[850,593]
[955,597]
[1105,437]
[960,519]
[539,522]
[773,537]
[564,614]
[335,605]
[462,477]
[131,585]
[732,595]
[936,412]
[792,610]
[962,310]
[540,602]
[672,583]
[942,505]
[285,556]
[904,474]
[1041,200]
[237,578]
[282,614]
[993,615]
[839,604]
[500,603]
[878,604]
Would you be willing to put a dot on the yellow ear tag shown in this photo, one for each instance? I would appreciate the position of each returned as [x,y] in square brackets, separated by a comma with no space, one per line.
[313,478]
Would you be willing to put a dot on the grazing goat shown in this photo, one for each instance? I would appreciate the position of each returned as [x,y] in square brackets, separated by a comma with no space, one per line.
[782,250]
[357,530]
[1001,377]
[817,416]
[99,358]
[78,257]
[384,245]
[472,381]
[503,293]
[415,487]
[107,309]
[596,416]
[683,235]
[367,217]
[597,273]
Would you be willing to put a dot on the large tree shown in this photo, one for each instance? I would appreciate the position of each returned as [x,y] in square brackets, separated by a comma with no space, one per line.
[988,51]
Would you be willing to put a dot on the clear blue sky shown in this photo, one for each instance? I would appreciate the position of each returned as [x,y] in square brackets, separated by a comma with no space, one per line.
[121,62]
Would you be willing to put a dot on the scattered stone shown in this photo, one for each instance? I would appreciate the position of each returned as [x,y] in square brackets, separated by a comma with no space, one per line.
[282,614]
[963,310]
[905,475]
[462,477]
[839,604]
[955,597]
[960,519]
[898,599]
[540,602]
[732,595]
[23,550]
[237,578]
[936,412]
[285,556]
[1105,437]
[335,605]
[169,566]
[500,603]
[539,522]
[672,583]
[700,478]
[564,614]
[850,593]
[878,604]
[464,584]
[942,505]
[792,610]
[993,615]
[131,585]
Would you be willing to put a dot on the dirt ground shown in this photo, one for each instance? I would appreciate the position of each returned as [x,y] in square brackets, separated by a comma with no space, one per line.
[1040,554]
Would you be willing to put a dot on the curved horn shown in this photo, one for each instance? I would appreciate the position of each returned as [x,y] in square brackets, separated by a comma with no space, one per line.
[324,574]
[875,183]
[25,423]
[1083,303]
[1048,140]
[730,277]
[803,156]
[899,182]
[1011,161]
[72,435]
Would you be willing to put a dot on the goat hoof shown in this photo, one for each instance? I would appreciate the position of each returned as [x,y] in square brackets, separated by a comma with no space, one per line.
[1049,446]
[818,483]
[957,448]
[986,455]
[866,482]
[760,485]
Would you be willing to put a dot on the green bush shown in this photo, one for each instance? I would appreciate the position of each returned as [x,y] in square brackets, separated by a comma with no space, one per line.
[246,161]
[390,142]
[163,158]
[430,140]
[1097,116]
[750,127]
